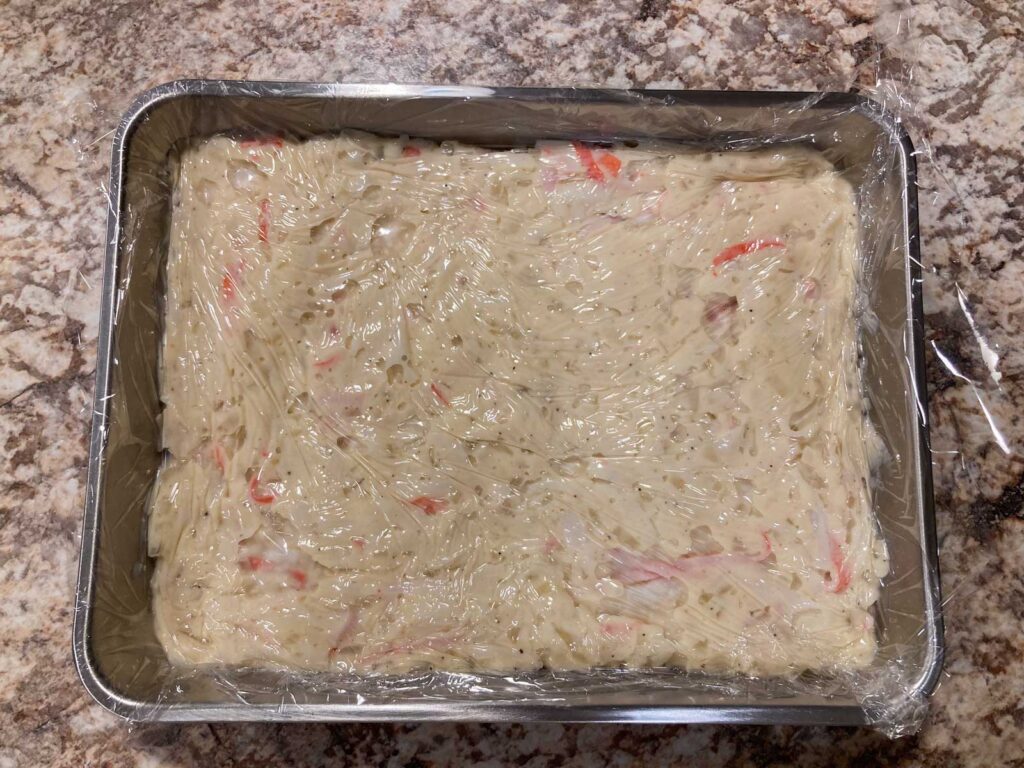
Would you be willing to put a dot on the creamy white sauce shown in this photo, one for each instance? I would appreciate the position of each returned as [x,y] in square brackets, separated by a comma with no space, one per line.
[499,410]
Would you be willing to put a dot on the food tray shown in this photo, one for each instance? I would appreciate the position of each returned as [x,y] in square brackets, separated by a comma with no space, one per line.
[117,655]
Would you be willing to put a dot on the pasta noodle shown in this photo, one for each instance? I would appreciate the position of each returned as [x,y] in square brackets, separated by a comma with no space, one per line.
[565,407]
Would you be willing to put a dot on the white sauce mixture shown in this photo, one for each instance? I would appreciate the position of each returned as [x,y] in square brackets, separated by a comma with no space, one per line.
[497,410]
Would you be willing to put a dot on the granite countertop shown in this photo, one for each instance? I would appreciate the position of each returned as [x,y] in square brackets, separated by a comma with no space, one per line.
[70,68]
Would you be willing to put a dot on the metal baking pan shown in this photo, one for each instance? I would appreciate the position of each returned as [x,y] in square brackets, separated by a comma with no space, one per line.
[118,657]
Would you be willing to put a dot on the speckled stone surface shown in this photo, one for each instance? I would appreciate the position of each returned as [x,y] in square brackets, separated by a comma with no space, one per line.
[70,67]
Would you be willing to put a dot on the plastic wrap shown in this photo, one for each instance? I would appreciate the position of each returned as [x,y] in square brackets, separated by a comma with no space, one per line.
[564,404]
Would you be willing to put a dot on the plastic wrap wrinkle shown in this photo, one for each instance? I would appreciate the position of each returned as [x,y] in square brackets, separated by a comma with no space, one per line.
[567,407]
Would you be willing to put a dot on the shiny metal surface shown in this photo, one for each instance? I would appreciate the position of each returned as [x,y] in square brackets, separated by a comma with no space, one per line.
[116,653]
